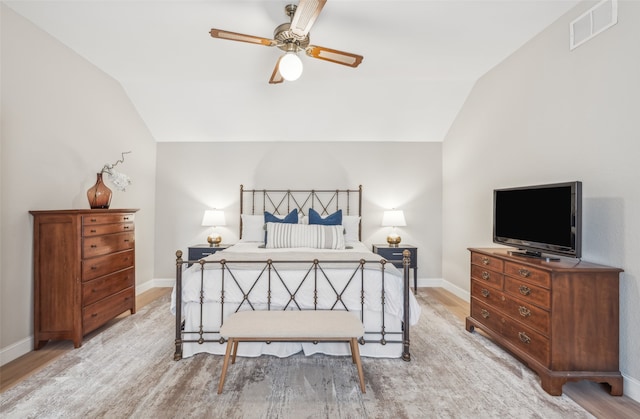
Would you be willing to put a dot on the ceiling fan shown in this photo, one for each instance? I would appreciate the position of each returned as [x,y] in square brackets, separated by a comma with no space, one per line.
[293,37]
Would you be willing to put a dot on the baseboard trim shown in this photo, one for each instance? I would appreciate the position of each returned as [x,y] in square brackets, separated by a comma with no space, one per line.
[442,283]
[631,387]
[16,350]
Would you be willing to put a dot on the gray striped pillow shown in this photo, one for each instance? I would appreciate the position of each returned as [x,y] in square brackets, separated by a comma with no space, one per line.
[316,236]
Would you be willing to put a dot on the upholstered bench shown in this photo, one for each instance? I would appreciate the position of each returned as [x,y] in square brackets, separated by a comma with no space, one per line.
[291,326]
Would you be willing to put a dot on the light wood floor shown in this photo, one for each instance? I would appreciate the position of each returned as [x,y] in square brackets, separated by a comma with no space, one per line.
[591,396]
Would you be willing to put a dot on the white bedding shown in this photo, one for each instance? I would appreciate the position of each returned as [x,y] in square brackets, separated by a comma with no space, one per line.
[289,280]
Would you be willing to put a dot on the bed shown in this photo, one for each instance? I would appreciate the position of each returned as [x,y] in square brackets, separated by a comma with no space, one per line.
[298,250]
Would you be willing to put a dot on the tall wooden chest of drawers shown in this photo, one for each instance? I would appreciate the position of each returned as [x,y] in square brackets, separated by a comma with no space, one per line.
[83,270]
[561,318]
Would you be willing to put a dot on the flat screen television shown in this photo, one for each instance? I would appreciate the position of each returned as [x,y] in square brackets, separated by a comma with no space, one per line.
[540,219]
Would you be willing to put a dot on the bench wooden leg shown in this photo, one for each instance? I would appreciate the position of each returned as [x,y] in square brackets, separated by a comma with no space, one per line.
[235,351]
[353,350]
[225,364]
[355,353]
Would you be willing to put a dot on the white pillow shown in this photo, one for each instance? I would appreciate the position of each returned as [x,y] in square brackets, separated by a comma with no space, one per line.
[252,228]
[351,224]
[315,236]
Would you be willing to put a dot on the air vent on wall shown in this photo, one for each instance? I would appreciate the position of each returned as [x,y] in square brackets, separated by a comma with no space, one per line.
[592,22]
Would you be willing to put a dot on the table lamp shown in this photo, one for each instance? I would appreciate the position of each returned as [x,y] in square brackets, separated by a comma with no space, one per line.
[393,218]
[214,218]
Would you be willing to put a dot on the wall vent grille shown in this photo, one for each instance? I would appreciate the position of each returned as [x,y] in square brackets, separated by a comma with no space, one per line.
[592,22]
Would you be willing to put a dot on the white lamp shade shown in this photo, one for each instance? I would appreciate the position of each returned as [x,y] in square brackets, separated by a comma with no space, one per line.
[393,218]
[213,218]
[290,66]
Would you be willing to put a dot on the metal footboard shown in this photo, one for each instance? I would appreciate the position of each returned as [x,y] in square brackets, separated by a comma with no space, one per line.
[269,275]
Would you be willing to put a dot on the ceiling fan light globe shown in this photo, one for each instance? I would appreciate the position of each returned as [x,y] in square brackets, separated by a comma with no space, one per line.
[290,66]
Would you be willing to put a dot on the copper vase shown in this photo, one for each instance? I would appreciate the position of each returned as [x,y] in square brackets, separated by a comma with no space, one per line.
[99,195]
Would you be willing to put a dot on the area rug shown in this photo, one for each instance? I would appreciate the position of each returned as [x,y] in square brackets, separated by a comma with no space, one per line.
[128,371]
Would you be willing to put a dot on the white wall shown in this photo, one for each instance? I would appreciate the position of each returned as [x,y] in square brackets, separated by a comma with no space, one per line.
[62,120]
[547,114]
[192,177]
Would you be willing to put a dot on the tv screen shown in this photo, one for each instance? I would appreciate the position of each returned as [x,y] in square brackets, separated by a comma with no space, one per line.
[540,219]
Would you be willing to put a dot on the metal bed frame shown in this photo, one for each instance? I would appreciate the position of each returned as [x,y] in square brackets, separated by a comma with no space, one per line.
[281,202]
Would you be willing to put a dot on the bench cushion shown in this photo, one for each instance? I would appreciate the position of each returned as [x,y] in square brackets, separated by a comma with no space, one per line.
[292,324]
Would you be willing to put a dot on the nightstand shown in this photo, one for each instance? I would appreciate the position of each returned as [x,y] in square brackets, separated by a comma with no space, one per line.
[394,256]
[199,251]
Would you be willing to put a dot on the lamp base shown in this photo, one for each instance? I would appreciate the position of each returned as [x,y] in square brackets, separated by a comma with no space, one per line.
[393,240]
[214,241]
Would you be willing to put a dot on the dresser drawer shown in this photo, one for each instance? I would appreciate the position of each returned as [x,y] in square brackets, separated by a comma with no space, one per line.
[529,274]
[527,339]
[486,276]
[95,315]
[489,262]
[109,243]
[513,331]
[100,229]
[103,265]
[517,309]
[95,219]
[486,314]
[531,294]
[97,289]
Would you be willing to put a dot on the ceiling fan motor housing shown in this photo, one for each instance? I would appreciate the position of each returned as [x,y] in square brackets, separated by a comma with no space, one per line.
[285,36]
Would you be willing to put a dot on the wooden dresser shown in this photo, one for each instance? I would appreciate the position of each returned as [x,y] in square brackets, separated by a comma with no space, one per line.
[560,318]
[83,270]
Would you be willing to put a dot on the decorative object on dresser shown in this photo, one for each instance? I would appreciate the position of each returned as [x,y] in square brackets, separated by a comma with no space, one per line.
[393,219]
[99,195]
[393,254]
[214,218]
[83,269]
[560,318]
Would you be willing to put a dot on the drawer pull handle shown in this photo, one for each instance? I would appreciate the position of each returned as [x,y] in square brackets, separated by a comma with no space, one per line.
[93,220]
[524,272]
[485,293]
[126,227]
[125,218]
[93,268]
[524,290]
[524,312]
[94,290]
[485,275]
[94,314]
[93,246]
[484,313]
[485,261]
[126,240]
[93,230]
[524,338]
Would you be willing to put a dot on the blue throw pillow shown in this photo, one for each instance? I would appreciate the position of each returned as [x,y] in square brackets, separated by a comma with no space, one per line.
[291,218]
[334,219]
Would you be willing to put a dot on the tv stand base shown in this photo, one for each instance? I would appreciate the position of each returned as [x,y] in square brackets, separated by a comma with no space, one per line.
[534,255]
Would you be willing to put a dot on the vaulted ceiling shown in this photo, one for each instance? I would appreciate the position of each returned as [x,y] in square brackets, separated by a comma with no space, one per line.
[421,59]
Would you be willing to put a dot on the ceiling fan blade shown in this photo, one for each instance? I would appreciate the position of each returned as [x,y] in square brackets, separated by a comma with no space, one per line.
[335,56]
[306,14]
[233,36]
[276,77]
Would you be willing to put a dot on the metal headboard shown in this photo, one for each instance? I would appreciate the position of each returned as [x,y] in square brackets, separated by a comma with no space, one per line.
[283,201]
